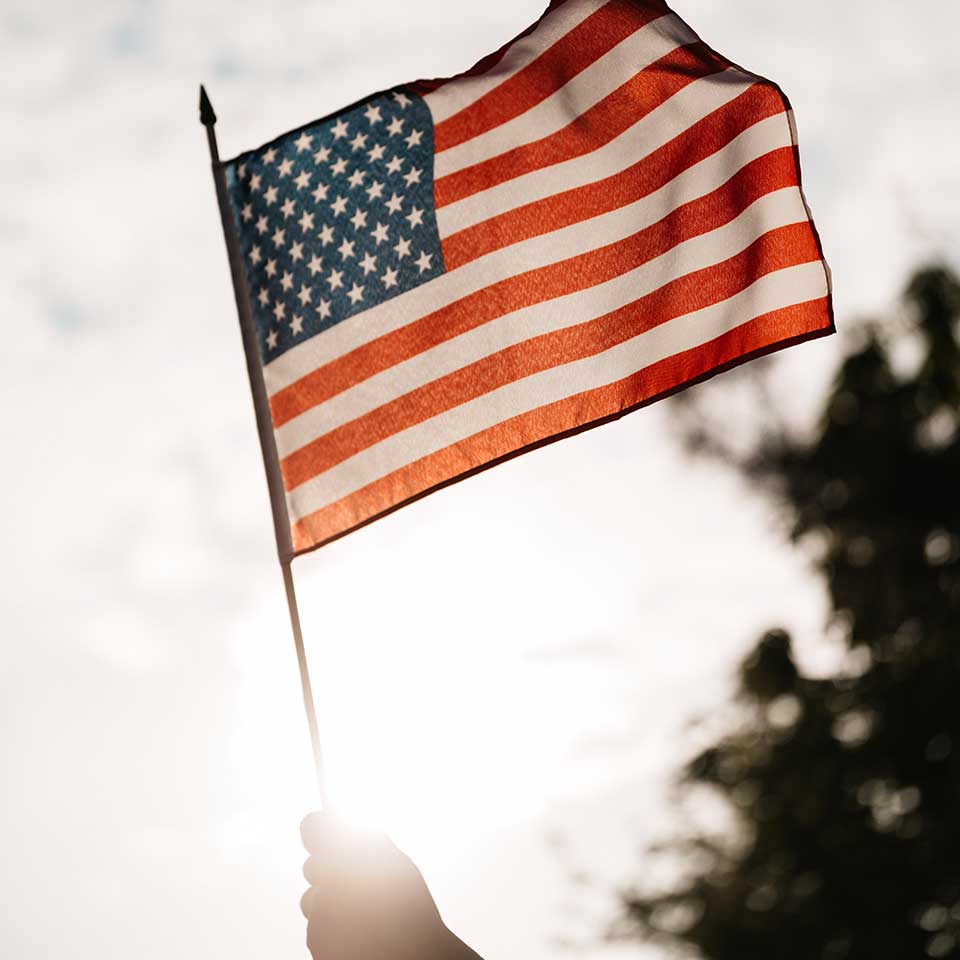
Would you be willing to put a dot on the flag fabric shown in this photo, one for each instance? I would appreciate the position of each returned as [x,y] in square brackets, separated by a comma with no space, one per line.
[452,272]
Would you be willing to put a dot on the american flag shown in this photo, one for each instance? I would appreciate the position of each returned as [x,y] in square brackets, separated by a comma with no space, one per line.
[452,272]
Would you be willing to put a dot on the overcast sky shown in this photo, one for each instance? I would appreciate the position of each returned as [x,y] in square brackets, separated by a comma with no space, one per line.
[505,670]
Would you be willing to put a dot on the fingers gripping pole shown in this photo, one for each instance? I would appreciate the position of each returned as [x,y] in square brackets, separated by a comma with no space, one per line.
[305,679]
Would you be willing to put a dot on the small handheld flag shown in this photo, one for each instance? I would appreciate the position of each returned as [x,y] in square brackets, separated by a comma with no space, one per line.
[452,272]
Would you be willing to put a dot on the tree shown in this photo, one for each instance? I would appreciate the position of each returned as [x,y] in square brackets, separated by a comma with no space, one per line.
[846,790]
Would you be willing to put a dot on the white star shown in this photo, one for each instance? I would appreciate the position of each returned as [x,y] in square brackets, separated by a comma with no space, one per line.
[314,265]
[305,294]
[279,310]
[247,212]
[338,166]
[271,195]
[271,267]
[346,249]
[242,171]
[402,99]
[320,192]
[296,252]
[326,234]
[389,277]
[270,155]
[394,164]
[264,296]
[423,261]
[286,281]
[412,176]
[255,255]
[303,142]
[394,203]
[396,127]
[323,308]
[368,263]
[302,179]
[339,206]
[402,248]
[358,142]
[380,233]
[279,237]
[355,293]
[376,152]
[359,219]
[306,222]
[285,168]
[322,155]
[339,129]
[375,190]
[356,178]
[415,217]
[272,340]
[287,208]
[262,225]
[335,279]
[372,114]
[413,139]
[296,324]
[255,182]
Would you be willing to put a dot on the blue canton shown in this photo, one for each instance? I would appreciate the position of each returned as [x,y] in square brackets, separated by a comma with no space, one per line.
[336,218]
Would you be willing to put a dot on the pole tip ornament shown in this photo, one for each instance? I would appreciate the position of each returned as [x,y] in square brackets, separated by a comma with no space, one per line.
[207,117]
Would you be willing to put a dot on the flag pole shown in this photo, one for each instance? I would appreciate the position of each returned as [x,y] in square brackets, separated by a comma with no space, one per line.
[268,446]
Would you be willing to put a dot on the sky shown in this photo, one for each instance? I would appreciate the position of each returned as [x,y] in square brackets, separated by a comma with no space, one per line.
[507,672]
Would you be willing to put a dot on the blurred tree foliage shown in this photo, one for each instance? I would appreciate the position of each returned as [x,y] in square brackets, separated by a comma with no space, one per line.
[847,789]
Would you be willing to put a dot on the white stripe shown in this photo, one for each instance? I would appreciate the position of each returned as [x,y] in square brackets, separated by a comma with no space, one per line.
[578,95]
[461,92]
[781,289]
[705,176]
[778,209]
[685,108]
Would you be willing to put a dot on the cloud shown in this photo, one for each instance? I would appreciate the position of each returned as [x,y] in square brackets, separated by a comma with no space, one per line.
[149,700]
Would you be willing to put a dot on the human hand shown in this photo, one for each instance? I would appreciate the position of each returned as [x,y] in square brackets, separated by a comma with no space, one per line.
[367,900]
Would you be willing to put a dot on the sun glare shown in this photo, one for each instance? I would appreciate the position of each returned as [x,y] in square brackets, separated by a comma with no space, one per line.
[436,739]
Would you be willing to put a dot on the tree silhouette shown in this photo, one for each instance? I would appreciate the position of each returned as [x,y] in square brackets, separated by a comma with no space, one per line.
[846,790]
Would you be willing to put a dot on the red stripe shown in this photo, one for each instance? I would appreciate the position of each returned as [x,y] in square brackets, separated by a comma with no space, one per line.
[556,420]
[764,175]
[571,54]
[603,122]
[639,180]
[776,250]
[484,64]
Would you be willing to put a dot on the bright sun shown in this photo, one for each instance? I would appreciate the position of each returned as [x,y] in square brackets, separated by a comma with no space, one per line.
[433,736]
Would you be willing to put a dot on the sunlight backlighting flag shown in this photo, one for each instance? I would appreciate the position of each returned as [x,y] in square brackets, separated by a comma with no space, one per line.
[452,272]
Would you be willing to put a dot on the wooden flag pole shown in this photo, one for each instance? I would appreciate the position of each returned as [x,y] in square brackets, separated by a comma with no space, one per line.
[268,446]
